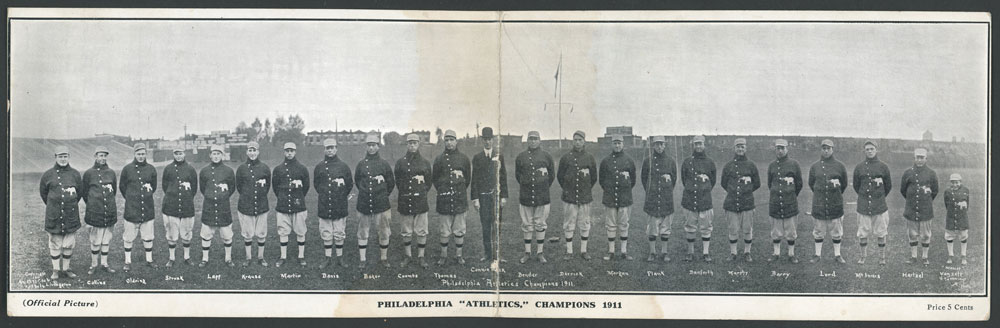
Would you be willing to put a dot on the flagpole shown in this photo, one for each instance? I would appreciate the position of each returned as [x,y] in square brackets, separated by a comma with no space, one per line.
[559,85]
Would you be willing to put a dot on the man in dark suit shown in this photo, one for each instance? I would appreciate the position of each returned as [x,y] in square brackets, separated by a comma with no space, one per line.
[488,175]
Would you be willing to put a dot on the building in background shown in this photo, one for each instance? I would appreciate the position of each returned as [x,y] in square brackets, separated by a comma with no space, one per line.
[631,140]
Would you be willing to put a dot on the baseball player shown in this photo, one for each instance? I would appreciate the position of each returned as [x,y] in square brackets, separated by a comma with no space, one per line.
[333,181]
[137,184]
[451,171]
[180,184]
[828,180]
[217,183]
[290,181]
[740,179]
[698,175]
[784,180]
[577,175]
[253,182]
[659,174]
[617,178]
[919,187]
[872,182]
[100,185]
[412,174]
[375,181]
[956,201]
[489,171]
[534,171]
[59,189]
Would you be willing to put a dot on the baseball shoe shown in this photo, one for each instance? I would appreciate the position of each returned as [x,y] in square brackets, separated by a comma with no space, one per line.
[386,263]
[881,261]
[949,261]
[107,269]
[325,263]
[502,260]
[708,258]
[524,258]
[793,259]
[839,259]
[747,257]
[406,261]
[302,261]
[608,256]
[423,264]
[689,257]
[55,275]
[340,260]
[246,263]
[151,265]
[912,260]
[651,257]
[170,263]
[69,274]
[460,260]
[626,257]
[774,258]
[585,256]
[964,260]
[567,257]
[927,261]
[362,264]
[91,270]
[230,264]
[442,260]
[666,258]
[126,267]
[262,262]
[541,258]
[278,263]
[483,259]
[188,262]
[202,264]
[861,260]
[814,259]
[732,257]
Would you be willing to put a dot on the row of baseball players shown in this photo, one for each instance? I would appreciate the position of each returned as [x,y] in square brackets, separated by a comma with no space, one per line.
[62,187]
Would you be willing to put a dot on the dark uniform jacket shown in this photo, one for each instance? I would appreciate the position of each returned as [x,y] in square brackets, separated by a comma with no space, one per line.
[617,177]
[253,181]
[828,180]
[535,171]
[180,184]
[60,190]
[577,176]
[659,181]
[374,178]
[291,196]
[784,180]
[919,187]
[137,184]
[697,195]
[217,184]
[100,185]
[452,174]
[484,174]
[872,182]
[333,182]
[413,177]
[958,217]
[740,179]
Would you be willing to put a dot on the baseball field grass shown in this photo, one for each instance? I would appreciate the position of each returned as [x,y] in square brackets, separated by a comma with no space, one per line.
[30,265]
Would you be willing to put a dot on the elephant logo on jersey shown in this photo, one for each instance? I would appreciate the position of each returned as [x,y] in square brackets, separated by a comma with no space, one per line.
[702,177]
[878,181]
[543,171]
[788,180]
[69,190]
[296,183]
[624,174]
[745,179]
[925,189]
[186,185]
[419,178]
[963,204]
[262,182]
[379,178]
[835,182]
[339,181]
[148,187]
[457,174]
[666,178]
[222,186]
[585,171]
[109,187]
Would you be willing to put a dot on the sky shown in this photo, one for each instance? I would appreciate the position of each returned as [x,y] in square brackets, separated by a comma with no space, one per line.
[73,79]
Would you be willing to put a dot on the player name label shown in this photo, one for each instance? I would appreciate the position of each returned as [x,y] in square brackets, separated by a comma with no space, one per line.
[831,274]
[249,276]
[370,276]
[781,275]
[740,273]
[290,276]
[701,272]
[866,275]
[325,275]
[135,281]
[407,276]
[173,278]
[487,269]
[96,282]
[444,276]
[213,276]
[570,274]
[527,275]
[615,273]
[655,274]
[913,275]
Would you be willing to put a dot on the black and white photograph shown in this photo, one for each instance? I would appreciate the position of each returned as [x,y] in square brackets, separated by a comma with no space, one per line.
[523,164]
